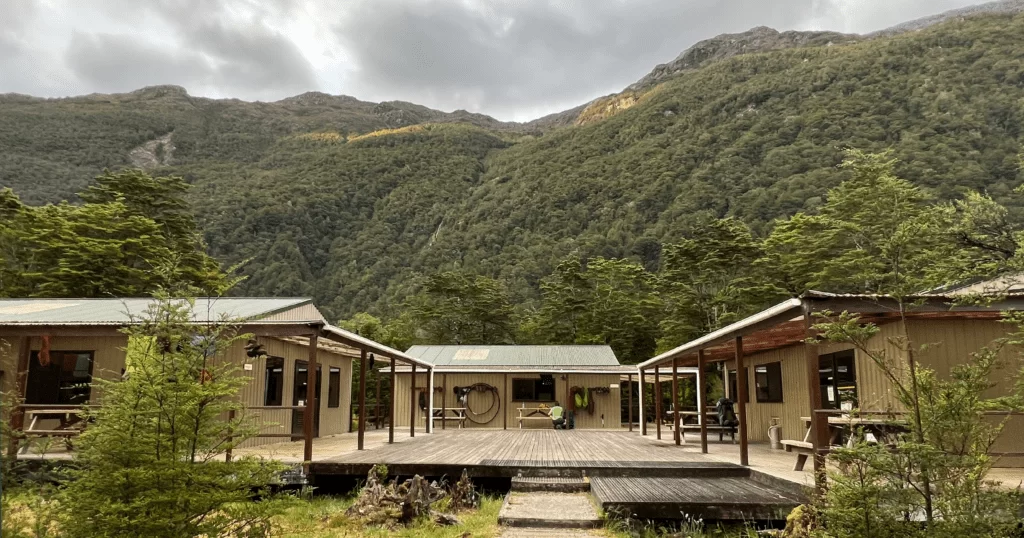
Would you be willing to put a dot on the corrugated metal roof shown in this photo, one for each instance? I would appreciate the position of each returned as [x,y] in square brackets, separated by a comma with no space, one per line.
[122,311]
[480,356]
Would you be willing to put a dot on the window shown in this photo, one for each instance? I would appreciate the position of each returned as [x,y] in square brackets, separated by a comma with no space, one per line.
[768,382]
[63,380]
[734,386]
[838,376]
[334,387]
[534,390]
[273,387]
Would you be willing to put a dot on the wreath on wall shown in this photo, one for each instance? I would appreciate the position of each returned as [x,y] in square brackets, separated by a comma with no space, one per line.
[581,398]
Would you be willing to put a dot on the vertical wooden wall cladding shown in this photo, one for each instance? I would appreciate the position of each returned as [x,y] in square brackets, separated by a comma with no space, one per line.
[332,420]
[607,404]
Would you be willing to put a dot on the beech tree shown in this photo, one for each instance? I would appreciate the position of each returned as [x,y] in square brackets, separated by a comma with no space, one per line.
[132,236]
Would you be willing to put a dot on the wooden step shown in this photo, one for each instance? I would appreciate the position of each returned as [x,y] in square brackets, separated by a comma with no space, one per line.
[563,484]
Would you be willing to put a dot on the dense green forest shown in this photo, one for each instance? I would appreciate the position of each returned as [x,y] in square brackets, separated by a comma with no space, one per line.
[356,204]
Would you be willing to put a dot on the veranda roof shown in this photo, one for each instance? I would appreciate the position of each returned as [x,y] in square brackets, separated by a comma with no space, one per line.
[784,324]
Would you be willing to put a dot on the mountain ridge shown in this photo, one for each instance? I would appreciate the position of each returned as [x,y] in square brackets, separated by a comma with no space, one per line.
[331,200]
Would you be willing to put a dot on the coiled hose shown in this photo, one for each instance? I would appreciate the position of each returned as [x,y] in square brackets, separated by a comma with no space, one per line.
[462,394]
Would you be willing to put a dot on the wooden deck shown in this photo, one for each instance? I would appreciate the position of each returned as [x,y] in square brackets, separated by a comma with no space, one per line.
[501,453]
[721,499]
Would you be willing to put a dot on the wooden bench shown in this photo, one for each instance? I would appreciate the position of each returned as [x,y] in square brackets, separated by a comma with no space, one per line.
[802,448]
[722,430]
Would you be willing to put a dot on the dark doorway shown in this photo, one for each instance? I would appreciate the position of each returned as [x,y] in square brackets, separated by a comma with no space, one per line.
[838,375]
[64,379]
[734,386]
[299,392]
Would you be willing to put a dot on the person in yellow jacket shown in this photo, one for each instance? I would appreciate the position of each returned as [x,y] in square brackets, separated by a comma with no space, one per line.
[558,416]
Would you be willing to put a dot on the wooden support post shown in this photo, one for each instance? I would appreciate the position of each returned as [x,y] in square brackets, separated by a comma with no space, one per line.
[376,403]
[444,396]
[657,400]
[504,415]
[412,402]
[629,404]
[643,414]
[741,400]
[21,380]
[819,423]
[430,401]
[675,402]
[725,381]
[231,439]
[362,399]
[702,401]
[311,404]
[391,404]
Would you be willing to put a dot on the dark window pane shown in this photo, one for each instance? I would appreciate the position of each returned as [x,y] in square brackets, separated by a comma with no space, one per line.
[768,382]
[334,388]
[64,380]
[274,383]
[734,386]
[524,389]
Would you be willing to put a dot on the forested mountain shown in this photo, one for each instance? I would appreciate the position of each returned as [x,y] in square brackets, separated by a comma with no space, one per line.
[350,201]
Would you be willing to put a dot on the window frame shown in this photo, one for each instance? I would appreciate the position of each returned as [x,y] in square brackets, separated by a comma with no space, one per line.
[34,359]
[267,401]
[333,387]
[535,393]
[734,385]
[772,391]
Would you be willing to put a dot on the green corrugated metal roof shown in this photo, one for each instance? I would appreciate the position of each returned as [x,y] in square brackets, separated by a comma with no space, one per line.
[473,356]
[121,311]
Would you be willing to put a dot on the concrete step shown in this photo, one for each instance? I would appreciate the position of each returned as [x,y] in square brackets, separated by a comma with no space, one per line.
[529,532]
[549,472]
[560,484]
[546,510]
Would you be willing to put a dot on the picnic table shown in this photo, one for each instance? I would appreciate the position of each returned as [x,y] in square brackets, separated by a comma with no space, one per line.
[855,428]
[457,414]
[533,413]
[68,418]
[710,412]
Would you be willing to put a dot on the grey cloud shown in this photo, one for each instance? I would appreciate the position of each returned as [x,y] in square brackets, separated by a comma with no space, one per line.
[507,55]
[513,59]
[211,52]
[121,63]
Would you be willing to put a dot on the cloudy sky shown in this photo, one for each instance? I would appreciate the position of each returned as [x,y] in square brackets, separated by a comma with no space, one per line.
[512,59]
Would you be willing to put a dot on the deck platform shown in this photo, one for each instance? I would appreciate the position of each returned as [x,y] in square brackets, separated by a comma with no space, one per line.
[507,453]
[720,499]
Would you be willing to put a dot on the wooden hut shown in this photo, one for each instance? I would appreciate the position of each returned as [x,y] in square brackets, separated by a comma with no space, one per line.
[507,386]
[775,375]
[85,341]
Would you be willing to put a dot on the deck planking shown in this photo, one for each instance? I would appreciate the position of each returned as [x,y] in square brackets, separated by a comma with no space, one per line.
[504,453]
[714,498]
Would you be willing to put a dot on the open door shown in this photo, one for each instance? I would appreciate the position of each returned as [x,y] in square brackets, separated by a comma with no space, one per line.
[299,393]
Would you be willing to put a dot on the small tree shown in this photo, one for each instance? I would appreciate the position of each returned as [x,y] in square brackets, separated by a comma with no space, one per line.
[935,472]
[150,464]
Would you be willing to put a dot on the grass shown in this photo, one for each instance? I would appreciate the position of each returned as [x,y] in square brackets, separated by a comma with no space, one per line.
[324,517]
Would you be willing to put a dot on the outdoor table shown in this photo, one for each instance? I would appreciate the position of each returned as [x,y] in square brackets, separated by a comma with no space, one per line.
[838,425]
[457,414]
[711,413]
[536,413]
[68,417]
